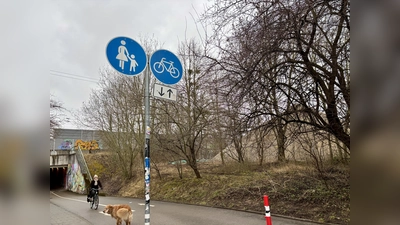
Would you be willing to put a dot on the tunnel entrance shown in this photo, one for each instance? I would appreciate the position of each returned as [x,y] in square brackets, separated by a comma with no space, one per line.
[58,177]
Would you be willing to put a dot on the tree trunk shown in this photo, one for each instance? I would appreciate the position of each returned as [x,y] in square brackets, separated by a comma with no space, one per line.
[261,154]
[239,150]
[197,172]
[193,162]
[219,129]
[179,168]
[281,139]
[157,169]
[330,148]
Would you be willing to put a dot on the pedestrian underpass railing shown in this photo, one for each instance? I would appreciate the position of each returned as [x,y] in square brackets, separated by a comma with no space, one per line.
[82,162]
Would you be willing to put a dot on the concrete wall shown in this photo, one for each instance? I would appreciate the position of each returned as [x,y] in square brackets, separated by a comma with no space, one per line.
[66,139]
[61,157]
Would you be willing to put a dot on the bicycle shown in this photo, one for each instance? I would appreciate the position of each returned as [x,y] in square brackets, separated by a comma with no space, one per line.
[94,202]
[160,66]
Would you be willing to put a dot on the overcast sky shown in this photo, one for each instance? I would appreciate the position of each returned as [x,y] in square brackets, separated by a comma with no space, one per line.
[84,28]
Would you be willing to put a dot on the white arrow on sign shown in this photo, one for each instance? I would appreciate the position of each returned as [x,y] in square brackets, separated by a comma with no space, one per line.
[165,92]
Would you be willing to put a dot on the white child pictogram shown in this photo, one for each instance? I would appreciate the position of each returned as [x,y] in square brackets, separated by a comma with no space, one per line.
[133,63]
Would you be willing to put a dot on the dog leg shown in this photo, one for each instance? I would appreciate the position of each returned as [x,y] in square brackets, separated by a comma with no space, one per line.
[130,217]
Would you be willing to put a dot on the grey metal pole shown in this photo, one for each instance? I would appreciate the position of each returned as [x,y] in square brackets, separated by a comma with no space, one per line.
[147,145]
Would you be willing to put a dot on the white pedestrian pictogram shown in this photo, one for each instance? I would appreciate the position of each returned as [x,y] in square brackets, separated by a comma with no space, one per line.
[122,54]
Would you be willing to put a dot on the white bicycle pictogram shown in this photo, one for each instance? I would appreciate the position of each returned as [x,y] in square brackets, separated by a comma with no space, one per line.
[159,67]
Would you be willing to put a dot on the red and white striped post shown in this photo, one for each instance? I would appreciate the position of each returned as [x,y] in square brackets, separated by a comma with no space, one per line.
[267,211]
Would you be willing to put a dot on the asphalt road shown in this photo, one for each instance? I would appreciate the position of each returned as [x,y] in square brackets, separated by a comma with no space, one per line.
[73,206]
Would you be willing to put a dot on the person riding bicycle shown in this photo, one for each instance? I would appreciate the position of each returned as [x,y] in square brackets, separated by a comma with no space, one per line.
[94,184]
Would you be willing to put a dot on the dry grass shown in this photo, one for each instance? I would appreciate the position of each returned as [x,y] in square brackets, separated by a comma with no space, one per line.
[290,187]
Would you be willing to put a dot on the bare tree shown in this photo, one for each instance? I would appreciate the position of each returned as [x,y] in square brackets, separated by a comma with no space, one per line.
[57,116]
[309,42]
[116,110]
[187,122]
[235,129]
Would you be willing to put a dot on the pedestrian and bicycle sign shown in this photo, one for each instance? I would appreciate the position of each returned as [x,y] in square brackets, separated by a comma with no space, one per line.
[166,66]
[165,92]
[126,56]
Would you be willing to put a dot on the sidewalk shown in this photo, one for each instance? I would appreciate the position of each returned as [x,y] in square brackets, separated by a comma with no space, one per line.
[60,216]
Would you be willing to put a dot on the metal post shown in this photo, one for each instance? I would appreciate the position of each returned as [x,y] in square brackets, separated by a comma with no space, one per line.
[147,146]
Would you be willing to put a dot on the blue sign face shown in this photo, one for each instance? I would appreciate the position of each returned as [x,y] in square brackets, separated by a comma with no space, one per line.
[166,66]
[126,56]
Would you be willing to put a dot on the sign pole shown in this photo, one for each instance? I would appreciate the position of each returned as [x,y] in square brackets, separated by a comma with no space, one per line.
[165,66]
[147,146]
[121,51]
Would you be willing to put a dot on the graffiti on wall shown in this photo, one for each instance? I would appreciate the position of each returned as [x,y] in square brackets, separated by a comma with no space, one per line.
[87,145]
[75,179]
[66,145]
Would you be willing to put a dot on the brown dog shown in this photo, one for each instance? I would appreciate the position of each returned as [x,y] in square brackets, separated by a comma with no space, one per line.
[120,213]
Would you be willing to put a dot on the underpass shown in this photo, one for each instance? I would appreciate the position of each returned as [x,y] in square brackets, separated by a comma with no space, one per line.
[68,169]
[58,177]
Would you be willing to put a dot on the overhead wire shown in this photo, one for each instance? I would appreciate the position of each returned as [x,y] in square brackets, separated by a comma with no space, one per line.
[72,76]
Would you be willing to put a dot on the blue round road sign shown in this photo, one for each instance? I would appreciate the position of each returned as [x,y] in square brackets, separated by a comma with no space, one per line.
[166,66]
[126,56]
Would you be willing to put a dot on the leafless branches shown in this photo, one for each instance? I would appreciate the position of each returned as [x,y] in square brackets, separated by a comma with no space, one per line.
[289,60]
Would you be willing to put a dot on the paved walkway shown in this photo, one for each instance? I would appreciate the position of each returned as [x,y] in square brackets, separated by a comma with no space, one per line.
[60,216]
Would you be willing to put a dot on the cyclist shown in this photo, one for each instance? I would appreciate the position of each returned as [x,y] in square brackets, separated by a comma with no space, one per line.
[96,184]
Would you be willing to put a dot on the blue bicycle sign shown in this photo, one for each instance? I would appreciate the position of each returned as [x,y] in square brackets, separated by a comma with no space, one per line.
[159,67]
[166,66]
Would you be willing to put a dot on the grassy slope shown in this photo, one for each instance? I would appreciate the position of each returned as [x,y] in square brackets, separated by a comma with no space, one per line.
[293,189]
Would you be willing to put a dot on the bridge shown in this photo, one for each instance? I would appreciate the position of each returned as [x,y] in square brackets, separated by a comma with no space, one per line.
[68,168]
